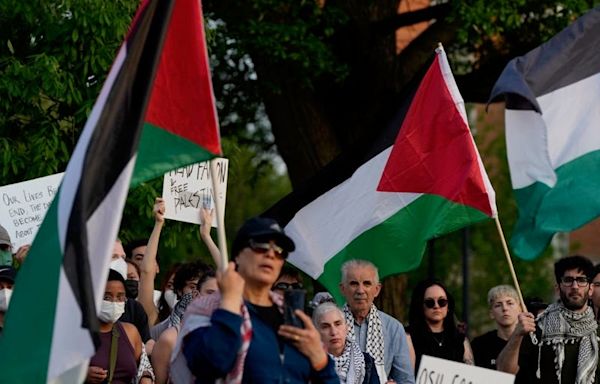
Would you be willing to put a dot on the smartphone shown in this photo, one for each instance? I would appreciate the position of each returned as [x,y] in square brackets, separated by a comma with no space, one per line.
[293,299]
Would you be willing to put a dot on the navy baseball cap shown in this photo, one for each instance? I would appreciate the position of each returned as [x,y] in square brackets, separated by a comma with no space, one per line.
[8,273]
[261,228]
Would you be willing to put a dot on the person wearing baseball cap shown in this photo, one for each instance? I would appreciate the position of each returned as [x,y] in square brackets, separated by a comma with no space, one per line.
[245,334]
[7,281]
[6,257]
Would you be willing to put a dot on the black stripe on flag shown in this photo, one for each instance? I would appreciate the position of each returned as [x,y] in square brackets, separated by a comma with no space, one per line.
[570,56]
[112,146]
[344,166]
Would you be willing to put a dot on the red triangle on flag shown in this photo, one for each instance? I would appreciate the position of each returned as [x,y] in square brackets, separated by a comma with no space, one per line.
[182,100]
[434,152]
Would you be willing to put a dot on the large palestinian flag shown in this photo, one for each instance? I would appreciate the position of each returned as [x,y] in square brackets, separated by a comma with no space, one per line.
[421,179]
[52,320]
[553,134]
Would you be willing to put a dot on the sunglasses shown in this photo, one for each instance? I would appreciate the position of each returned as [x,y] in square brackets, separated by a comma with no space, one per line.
[264,248]
[285,286]
[430,303]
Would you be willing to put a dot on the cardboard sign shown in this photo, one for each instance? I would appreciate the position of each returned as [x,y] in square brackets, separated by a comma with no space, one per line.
[186,190]
[23,207]
[433,370]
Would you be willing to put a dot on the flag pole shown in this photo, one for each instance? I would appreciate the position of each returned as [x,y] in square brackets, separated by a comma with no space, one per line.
[510,263]
[220,217]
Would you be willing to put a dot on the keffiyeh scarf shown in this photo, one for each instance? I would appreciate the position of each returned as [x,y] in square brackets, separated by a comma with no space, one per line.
[375,341]
[350,365]
[561,326]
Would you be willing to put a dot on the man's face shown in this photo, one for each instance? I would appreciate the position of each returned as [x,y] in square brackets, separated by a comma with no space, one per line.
[360,288]
[137,254]
[596,291]
[118,251]
[574,295]
[505,310]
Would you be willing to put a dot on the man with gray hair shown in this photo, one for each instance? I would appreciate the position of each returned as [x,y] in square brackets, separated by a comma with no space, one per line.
[376,332]
[503,302]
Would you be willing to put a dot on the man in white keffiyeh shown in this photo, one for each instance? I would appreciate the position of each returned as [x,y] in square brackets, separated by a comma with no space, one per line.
[567,333]
[375,332]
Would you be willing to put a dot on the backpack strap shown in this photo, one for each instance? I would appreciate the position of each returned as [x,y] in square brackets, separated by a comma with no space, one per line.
[114,344]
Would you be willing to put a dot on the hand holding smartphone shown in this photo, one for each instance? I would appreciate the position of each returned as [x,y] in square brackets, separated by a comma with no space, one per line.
[293,299]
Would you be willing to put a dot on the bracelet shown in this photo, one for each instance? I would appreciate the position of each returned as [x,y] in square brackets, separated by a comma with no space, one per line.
[322,364]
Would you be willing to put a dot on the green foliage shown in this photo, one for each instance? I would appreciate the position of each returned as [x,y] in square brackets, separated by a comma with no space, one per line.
[54,56]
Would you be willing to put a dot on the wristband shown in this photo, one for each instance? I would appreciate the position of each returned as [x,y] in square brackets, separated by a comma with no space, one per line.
[322,364]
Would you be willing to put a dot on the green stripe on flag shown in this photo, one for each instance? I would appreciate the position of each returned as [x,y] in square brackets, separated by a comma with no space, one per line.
[397,244]
[161,151]
[571,203]
[41,270]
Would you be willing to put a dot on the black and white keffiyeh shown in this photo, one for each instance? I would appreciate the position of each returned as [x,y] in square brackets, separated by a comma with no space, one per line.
[350,365]
[561,326]
[375,340]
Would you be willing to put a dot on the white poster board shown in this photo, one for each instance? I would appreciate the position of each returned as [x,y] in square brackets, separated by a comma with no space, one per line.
[23,207]
[440,371]
[186,190]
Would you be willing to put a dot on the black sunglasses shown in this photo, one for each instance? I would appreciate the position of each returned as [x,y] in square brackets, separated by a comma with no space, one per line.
[264,248]
[285,286]
[430,303]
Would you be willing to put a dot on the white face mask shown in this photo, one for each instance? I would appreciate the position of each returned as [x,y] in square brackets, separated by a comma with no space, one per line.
[111,311]
[119,265]
[5,295]
[170,297]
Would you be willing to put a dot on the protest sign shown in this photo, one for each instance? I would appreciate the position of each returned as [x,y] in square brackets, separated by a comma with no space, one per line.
[23,207]
[433,370]
[187,189]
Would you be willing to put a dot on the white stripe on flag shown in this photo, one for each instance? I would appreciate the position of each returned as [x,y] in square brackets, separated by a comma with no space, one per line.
[538,144]
[70,342]
[329,223]
[459,103]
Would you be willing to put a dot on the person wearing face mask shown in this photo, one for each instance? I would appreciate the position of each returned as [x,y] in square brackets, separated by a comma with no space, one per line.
[121,349]
[134,312]
[7,281]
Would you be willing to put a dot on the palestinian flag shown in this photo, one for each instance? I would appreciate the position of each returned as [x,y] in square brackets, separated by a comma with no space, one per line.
[552,134]
[421,179]
[52,322]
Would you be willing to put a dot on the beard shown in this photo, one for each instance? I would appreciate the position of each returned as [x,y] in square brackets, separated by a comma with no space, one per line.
[574,303]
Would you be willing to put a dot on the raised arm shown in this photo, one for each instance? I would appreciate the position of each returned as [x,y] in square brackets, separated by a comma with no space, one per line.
[148,265]
[508,359]
[207,216]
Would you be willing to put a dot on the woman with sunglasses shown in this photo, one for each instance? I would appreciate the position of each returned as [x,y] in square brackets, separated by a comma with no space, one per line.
[433,330]
[241,336]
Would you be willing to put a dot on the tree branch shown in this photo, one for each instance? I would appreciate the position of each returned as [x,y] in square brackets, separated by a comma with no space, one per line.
[391,24]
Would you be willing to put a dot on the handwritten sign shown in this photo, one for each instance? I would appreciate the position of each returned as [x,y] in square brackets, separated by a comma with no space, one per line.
[433,370]
[23,207]
[186,190]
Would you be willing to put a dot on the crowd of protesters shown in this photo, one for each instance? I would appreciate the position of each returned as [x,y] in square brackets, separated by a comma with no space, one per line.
[234,324]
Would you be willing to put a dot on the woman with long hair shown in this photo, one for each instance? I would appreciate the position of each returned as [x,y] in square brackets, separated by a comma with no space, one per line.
[433,330]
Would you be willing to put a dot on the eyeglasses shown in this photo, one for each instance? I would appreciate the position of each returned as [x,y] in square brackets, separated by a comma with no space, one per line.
[582,281]
[264,248]
[285,286]
[430,303]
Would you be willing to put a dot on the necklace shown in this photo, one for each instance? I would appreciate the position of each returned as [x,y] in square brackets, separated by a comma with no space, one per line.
[439,342]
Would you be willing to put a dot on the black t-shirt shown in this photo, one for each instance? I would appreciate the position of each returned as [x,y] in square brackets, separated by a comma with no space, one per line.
[486,349]
[270,316]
